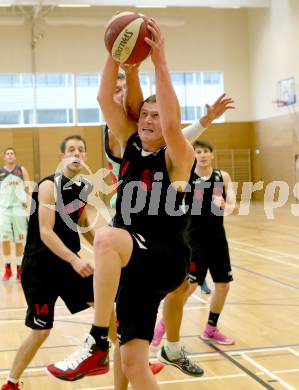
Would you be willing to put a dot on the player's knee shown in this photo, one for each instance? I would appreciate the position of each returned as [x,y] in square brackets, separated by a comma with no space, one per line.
[105,239]
[192,288]
[181,291]
[41,334]
[222,287]
[131,366]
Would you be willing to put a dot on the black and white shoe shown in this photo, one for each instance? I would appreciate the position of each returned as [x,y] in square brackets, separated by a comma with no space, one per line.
[182,362]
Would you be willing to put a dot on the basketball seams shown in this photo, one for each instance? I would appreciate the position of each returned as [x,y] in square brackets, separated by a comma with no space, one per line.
[124,38]
[114,29]
[125,42]
[141,52]
[121,15]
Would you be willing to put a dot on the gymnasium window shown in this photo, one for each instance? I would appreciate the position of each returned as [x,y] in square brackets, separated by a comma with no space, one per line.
[195,90]
[70,99]
[87,108]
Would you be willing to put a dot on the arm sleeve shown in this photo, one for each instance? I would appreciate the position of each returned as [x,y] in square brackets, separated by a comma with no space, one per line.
[193,131]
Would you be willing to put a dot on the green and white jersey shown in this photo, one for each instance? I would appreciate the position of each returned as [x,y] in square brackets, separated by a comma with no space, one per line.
[12,187]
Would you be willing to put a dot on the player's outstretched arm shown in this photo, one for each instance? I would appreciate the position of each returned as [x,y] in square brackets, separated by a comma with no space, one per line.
[134,95]
[115,115]
[218,108]
[179,151]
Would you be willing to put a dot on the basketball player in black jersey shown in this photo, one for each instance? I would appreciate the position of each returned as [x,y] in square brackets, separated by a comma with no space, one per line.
[51,267]
[213,196]
[148,232]
[210,252]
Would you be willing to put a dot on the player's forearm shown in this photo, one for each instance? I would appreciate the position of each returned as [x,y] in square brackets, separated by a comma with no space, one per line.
[134,95]
[206,121]
[55,244]
[108,82]
[193,131]
[169,109]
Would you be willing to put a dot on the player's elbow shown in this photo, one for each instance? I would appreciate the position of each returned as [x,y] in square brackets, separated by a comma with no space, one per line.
[45,235]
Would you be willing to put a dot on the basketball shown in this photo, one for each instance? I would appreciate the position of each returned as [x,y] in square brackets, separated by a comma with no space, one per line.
[124,38]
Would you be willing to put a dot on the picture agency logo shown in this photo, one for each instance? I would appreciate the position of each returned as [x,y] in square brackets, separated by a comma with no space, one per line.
[96,187]
[88,189]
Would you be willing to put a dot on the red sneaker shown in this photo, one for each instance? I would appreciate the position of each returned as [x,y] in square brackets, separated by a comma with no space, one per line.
[11,386]
[88,360]
[7,274]
[156,367]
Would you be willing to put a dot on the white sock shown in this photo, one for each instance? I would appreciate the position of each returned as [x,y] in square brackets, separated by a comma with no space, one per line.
[174,347]
[12,380]
[6,259]
[19,260]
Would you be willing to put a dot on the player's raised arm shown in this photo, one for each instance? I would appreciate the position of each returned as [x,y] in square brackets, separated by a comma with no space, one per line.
[133,92]
[179,151]
[115,115]
[214,111]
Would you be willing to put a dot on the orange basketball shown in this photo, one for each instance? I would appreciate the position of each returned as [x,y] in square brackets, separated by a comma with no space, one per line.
[124,38]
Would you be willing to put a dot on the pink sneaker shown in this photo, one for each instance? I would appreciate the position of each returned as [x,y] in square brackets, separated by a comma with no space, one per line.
[158,333]
[212,333]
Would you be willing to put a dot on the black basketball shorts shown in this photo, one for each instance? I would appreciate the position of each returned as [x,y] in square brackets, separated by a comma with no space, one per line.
[44,279]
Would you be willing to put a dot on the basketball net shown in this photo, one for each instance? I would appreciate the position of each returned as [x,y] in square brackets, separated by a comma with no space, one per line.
[292,113]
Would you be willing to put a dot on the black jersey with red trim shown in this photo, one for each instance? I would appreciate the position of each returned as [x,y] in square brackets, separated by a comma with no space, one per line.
[70,202]
[204,215]
[147,203]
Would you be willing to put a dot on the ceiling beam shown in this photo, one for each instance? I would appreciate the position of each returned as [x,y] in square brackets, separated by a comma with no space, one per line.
[145,3]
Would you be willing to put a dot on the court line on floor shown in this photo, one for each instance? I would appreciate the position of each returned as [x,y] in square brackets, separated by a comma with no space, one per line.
[264,249]
[266,277]
[267,372]
[187,380]
[13,309]
[266,257]
[240,366]
[87,248]
[71,316]
[192,355]
[286,236]
[200,299]
[293,352]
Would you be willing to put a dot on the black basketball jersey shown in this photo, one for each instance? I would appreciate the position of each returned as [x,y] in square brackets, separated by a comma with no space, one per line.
[204,216]
[146,187]
[71,200]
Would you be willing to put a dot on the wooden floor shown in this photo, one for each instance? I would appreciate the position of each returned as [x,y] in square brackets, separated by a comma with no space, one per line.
[261,314]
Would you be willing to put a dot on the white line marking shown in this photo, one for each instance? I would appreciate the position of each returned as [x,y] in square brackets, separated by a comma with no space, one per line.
[267,372]
[265,249]
[273,259]
[74,317]
[195,296]
[292,351]
[202,379]
[87,248]
[70,316]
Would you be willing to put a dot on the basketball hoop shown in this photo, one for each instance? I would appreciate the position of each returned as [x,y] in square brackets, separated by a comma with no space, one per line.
[280,103]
